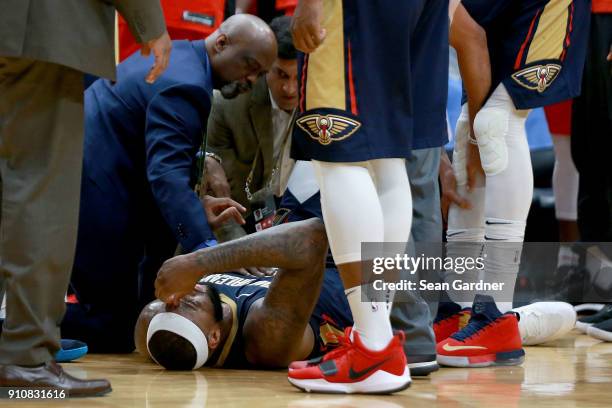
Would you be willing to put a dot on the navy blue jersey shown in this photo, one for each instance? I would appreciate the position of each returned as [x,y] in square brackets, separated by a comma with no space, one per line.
[239,293]
[329,318]
[537,47]
[302,198]
[377,86]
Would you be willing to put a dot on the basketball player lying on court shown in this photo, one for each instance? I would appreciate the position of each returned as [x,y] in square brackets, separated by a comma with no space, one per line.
[233,321]
[230,320]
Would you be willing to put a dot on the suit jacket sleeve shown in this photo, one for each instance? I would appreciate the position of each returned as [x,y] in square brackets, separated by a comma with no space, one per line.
[219,136]
[220,140]
[144,17]
[175,121]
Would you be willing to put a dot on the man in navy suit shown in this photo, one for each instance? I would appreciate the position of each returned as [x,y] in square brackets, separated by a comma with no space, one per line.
[137,199]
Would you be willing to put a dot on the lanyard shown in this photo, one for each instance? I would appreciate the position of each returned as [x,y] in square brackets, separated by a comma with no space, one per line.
[249,180]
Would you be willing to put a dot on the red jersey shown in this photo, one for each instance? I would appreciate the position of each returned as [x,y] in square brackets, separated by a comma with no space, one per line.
[185,19]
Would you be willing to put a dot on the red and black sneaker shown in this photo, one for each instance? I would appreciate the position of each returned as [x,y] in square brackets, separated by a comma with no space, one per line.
[490,338]
[352,368]
[450,319]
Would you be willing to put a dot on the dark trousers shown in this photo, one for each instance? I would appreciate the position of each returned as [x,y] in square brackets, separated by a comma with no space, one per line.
[121,245]
[592,135]
[41,148]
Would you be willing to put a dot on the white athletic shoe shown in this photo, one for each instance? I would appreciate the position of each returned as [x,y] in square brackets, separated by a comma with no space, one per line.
[541,322]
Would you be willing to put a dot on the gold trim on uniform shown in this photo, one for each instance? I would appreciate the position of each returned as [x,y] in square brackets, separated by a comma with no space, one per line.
[232,335]
[550,35]
[538,77]
[328,128]
[325,82]
[329,334]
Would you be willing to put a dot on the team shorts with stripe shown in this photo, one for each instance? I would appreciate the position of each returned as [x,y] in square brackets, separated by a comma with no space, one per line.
[377,86]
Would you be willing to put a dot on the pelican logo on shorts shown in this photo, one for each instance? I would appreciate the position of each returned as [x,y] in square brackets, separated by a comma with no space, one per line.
[538,77]
[328,128]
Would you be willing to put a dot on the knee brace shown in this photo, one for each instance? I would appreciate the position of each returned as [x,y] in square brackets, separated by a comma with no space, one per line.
[490,127]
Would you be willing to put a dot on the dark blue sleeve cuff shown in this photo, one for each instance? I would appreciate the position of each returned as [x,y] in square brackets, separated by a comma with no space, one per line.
[206,244]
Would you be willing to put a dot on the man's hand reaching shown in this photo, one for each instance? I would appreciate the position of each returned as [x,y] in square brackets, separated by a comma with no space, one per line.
[160,47]
[306,25]
[220,210]
[258,272]
[216,179]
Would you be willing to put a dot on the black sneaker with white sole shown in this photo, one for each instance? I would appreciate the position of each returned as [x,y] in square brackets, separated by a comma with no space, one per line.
[604,314]
[421,366]
[601,331]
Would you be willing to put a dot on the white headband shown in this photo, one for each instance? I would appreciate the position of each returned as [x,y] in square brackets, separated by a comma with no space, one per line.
[185,328]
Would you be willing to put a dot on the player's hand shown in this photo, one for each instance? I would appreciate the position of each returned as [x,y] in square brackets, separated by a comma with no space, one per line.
[306,25]
[448,183]
[258,272]
[473,166]
[222,209]
[216,180]
[160,47]
[176,278]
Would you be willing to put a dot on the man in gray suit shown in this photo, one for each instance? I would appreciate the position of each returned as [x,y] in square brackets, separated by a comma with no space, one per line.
[45,47]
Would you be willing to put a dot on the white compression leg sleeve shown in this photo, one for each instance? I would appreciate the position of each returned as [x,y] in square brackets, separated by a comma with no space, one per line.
[465,233]
[393,189]
[504,152]
[351,208]
[466,225]
[365,202]
[565,180]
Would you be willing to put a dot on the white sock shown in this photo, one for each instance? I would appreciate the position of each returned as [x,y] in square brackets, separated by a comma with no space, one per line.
[503,258]
[371,320]
[465,239]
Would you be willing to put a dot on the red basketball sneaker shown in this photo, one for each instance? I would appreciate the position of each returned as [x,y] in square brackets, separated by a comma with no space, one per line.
[450,319]
[352,368]
[490,338]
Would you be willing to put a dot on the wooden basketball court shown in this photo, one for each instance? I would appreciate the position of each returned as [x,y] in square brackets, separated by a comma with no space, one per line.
[572,372]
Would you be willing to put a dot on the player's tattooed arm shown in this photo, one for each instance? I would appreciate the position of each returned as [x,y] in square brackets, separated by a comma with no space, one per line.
[288,246]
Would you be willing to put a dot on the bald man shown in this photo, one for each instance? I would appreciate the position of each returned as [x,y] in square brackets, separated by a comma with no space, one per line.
[137,199]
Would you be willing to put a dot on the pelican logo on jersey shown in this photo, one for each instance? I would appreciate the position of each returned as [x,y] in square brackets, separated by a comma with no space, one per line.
[328,128]
[538,77]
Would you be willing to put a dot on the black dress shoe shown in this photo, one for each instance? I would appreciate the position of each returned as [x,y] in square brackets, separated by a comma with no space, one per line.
[51,375]
[422,365]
